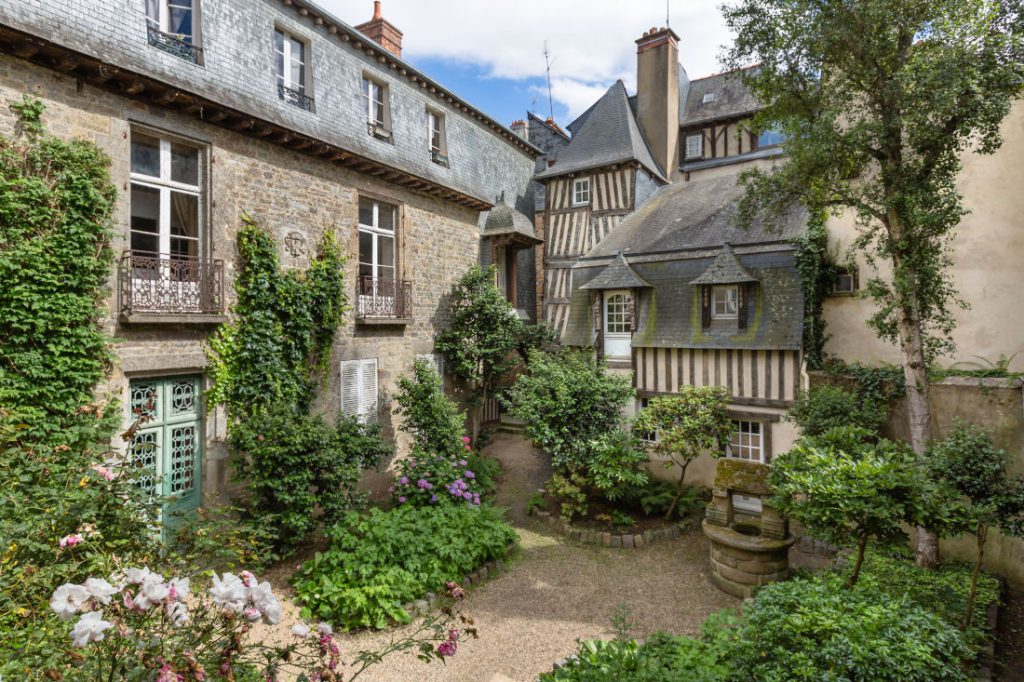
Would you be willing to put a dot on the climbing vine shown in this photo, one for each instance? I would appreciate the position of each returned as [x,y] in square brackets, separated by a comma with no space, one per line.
[817,271]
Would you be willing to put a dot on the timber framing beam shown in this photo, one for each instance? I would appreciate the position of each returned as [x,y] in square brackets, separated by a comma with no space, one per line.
[140,87]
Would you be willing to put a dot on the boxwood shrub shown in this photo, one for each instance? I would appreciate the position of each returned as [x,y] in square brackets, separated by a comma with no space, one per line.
[381,560]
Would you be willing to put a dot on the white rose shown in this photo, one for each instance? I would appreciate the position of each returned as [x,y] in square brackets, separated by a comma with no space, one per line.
[135,576]
[68,599]
[89,628]
[325,629]
[152,592]
[228,592]
[301,630]
[180,587]
[100,589]
[178,613]
[272,612]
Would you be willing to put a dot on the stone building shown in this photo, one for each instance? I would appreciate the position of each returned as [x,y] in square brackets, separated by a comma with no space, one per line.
[209,110]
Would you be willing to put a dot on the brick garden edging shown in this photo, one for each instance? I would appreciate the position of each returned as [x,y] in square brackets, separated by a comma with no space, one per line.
[588,536]
[488,570]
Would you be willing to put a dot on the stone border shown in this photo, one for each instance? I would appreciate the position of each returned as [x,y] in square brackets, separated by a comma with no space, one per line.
[588,536]
[490,569]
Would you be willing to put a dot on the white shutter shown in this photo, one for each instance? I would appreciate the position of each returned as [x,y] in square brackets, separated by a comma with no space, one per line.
[368,390]
[350,387]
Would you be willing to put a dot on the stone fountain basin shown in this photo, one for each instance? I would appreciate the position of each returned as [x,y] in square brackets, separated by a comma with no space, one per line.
[741,563]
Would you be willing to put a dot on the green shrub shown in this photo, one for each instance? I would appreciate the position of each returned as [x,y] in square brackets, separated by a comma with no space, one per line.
[424,478]
[568,403]
[487,470]
[381,560]
[294,464]
[657,498]
[817,630]
[826,407]
[432,419]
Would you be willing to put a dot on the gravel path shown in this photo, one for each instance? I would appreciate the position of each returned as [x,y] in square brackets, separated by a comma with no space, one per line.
[553,592]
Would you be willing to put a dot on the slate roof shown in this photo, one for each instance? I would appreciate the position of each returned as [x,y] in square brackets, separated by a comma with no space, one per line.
[617,275]
[669,312]
[505,220]
[726,269]
[609,134]
[699,214]
[732,98]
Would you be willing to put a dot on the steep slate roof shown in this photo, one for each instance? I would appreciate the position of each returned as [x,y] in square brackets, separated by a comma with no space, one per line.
[609,134]
[732,98]
[617,275]
[505,220]
[691,215]
[726,269]
[669,313]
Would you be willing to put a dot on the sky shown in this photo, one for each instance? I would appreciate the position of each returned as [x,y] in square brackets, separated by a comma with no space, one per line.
[492,53]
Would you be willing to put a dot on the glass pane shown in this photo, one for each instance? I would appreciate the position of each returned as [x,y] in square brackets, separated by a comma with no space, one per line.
[365,247]
[280,65]
[386,218]
[386,250]
[365,270]
[184,248]
[298,51]
[298,76]
[144,241]
[184,164]
[386,274]
[145,210]
[366,88]
[145,155]
[279,41]
[181,22]
[184,215]
[366,212]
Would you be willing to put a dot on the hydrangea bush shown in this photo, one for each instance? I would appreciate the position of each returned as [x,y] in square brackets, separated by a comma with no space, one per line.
[138,625]
[425,479]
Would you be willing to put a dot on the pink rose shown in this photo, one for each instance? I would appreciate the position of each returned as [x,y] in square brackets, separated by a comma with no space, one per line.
[70,540]
[466,440]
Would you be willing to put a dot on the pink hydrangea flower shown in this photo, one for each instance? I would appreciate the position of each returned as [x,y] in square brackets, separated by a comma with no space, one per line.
[70,540]
[103,471]
[466,440]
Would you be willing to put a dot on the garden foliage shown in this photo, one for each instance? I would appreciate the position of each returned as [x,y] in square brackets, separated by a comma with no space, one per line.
[381,560]
[826,407]
[433,420]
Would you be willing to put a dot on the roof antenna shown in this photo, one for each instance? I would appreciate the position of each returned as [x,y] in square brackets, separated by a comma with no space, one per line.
[668,13]
[547,63]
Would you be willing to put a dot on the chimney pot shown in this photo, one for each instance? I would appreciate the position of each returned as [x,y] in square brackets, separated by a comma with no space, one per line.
[382,31]
[376,10]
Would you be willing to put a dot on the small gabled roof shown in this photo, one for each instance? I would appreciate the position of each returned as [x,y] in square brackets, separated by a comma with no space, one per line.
[609,134]
[726,269]
[503,220]
[730,97]
[617,275]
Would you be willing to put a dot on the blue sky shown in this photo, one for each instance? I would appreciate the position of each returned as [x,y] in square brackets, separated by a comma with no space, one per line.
[491,53]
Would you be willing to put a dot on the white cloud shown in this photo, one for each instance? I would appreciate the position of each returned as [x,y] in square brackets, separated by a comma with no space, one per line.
[591,41]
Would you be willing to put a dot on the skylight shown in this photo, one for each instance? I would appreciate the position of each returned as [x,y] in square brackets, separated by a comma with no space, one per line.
[709,97]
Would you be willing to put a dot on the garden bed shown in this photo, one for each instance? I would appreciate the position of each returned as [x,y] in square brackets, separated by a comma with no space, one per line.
[597,535]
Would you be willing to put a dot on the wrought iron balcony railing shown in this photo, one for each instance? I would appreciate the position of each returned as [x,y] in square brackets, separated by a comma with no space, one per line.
[174,44]
[439,158]
[157,284]
[296,98]
[383,299]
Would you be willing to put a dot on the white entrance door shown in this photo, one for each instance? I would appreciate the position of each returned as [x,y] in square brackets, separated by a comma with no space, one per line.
[617,324]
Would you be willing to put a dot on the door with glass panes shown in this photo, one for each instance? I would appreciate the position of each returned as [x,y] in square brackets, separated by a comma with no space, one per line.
[168,445]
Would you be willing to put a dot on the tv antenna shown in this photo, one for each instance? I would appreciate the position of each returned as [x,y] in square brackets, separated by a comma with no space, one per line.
[668,13]
[547,67]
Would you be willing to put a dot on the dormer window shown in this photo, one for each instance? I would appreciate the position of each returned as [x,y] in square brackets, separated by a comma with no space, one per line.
[292,73]
[437,137]
[709,97]
[770,138]
[173,26]
[694,147]
[378,108]
[581,192]
[725,302]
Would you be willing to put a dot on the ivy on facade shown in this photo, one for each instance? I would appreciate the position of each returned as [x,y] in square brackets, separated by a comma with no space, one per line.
[817,271]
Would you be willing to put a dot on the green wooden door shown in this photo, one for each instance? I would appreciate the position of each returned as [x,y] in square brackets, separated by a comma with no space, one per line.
[168,443]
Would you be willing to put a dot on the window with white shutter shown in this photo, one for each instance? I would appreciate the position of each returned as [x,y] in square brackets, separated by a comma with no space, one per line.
[359,389]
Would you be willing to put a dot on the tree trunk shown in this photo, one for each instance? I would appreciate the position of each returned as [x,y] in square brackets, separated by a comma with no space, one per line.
[982,535]
[861,544]
[679,492]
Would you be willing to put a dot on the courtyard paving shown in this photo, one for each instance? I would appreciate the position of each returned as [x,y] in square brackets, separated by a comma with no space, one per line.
[553,592]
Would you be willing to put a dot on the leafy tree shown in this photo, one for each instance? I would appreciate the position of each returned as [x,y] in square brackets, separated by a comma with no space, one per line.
[431,418]
[879,100]
[850,495]
[688,424]
[483,332]
[970,468]
[826,407]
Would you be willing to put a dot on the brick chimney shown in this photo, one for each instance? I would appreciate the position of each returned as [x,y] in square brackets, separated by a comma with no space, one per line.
[382,32]
[657,95]
[519,128]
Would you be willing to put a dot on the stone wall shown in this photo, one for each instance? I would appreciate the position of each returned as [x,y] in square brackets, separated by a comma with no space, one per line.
[996,405]
[286,192]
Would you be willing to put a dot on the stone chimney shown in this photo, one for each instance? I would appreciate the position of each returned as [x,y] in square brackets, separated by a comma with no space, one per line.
[657,95]
[519,128]
[382,32]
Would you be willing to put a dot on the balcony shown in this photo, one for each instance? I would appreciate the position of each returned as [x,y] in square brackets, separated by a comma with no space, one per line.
[174,44]
[156,288]
[383,301]
[439,158]
[296,98]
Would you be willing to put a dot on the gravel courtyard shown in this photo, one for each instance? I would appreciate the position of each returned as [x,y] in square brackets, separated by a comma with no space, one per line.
[553,592]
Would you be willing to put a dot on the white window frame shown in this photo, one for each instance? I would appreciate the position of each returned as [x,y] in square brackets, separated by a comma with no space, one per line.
[709,97]
[742,446]
[435,131]
[162,20]
[720,306]
[359,389]
[649,437]
[285,78]
[695,146]
[377,232]
[165,185]
[377,96]
[581,192]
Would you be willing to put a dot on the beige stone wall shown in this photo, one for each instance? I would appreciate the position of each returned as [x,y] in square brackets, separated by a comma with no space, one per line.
[988,267]
[284,191]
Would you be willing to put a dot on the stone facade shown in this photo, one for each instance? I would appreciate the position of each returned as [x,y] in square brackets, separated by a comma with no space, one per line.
[296,195]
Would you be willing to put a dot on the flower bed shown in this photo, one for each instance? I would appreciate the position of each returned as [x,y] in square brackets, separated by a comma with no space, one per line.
[592,536]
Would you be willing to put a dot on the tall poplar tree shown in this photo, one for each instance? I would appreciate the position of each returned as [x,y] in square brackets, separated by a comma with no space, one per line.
[880,100]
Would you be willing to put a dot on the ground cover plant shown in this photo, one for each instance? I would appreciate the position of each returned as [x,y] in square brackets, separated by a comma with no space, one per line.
[383,559]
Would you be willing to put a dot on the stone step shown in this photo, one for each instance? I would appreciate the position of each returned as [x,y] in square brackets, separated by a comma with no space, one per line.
[510,424]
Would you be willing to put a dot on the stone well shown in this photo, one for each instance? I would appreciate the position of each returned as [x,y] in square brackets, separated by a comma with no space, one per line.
[746,553]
